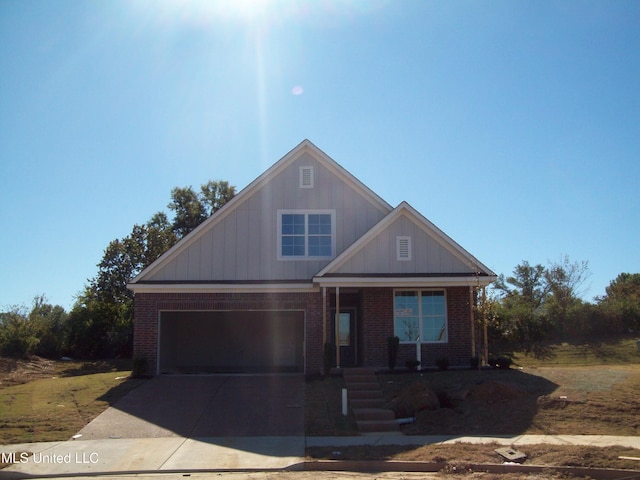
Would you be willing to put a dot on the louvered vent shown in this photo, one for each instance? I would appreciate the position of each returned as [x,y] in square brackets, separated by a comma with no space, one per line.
[306,177]
[403,248]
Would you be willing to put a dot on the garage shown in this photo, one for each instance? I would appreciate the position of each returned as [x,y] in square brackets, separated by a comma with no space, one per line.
[231,342]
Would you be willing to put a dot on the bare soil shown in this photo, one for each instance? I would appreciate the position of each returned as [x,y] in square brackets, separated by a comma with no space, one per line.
[15,371]
[598,400]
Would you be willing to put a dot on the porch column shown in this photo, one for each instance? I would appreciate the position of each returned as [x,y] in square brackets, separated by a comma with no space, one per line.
[324,316]
[473,323]
[337,327]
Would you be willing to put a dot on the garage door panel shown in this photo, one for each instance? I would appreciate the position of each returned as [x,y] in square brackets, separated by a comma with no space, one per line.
[231,341]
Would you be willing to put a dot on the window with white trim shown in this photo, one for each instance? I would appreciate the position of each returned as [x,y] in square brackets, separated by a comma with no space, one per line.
[306,177]
[403,249]
[306,234]
[420,313]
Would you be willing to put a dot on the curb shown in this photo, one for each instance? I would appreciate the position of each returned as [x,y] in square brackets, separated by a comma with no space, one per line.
[422,467]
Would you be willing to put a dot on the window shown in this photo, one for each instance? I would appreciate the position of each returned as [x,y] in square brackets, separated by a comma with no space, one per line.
[420,313]
[306,234]
[306,177]
[403,248]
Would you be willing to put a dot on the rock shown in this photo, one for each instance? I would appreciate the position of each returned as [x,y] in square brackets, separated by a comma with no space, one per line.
[412,399]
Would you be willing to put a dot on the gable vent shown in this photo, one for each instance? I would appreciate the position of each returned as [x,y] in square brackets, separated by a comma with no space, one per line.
[403,248]
[306,177]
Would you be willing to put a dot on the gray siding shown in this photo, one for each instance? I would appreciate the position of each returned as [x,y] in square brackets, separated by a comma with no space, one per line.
[243,244]
[429,255]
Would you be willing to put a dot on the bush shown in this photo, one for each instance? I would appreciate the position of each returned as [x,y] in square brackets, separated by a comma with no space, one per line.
[329,357]
[139,367]
[393,345]
[442,363]
[412,365]
[474,362]
[501,362]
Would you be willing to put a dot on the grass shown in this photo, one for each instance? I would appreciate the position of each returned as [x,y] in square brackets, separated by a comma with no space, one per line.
[607,351]
[323,408]
[57,406]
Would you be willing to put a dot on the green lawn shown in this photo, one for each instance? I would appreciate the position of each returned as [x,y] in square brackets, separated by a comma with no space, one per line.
[55,408]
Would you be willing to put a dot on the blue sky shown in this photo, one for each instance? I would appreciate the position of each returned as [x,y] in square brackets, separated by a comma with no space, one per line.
[513,126]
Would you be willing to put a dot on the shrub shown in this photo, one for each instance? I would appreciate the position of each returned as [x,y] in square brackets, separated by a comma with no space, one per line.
[474,362]
[139,367]
[501,362]
[442,363]
[393,345]
[329,357]
[412,365]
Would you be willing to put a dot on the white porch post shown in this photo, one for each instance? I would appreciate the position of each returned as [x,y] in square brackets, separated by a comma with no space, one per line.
[337,327]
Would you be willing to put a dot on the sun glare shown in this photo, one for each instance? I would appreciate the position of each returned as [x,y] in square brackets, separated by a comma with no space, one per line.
[173,13]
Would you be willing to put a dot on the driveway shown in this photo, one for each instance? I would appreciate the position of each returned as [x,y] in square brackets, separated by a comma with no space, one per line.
[205,406]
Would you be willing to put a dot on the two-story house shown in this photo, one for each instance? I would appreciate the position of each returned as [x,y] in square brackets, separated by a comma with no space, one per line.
[256,287]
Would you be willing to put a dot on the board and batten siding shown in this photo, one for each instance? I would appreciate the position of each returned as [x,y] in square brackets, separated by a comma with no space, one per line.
[243,244]
[428,255]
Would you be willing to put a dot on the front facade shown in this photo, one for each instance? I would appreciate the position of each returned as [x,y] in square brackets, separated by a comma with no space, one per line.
[257,286]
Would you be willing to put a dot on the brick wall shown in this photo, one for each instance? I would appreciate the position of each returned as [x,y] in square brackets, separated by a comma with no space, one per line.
[377,306]
[376,323]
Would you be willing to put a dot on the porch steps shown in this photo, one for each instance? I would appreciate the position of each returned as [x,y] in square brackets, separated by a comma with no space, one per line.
[367,403]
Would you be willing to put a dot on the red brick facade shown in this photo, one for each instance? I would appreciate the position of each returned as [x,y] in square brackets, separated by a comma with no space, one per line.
[376,323]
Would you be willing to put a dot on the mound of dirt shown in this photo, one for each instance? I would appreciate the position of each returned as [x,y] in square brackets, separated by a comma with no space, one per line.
[495,392]
[412,399]
[16,371]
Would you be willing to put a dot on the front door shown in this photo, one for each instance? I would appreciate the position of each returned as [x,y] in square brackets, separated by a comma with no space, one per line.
[346,336]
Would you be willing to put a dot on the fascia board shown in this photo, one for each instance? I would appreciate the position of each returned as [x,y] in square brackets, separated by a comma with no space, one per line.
[470,281]
[221,288]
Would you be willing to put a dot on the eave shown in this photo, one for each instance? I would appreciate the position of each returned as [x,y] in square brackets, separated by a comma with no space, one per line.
[222,287]
[411,281]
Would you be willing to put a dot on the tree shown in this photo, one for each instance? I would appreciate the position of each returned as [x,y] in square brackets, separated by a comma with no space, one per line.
[189,210]
[192,208]
[622,300]
[100,322]
[565,278]
[520,314]
[36,331]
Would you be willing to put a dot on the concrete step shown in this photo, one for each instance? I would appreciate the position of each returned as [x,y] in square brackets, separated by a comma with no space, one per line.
[354,372]
[373,414]
[363,394]
[367,403]
[372,382]
[370,426]
[362,386]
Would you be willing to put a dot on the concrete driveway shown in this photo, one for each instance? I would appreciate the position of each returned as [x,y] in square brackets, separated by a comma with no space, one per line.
[205,406]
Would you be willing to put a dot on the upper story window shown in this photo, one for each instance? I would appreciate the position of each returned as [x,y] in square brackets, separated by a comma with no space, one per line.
[306,234]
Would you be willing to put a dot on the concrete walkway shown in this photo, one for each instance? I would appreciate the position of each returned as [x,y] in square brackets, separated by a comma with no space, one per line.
[178,454]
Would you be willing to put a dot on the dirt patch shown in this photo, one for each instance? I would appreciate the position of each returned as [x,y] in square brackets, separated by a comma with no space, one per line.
[543,400]
[496,392]
[16,371]
[459,453]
